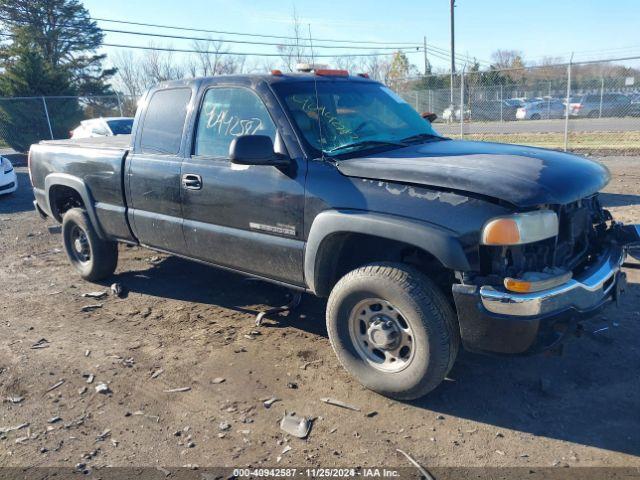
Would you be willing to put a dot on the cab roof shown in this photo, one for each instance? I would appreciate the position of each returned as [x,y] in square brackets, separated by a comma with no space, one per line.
[293,77]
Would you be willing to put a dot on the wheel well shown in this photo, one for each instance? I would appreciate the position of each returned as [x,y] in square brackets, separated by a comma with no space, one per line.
[343,252]
[63,198]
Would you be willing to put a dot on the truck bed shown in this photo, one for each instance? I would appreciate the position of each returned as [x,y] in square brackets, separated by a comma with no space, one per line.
[92,166]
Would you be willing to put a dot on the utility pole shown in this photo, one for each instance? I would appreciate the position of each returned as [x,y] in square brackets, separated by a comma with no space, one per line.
[426,61]
[453,40]
[453,49]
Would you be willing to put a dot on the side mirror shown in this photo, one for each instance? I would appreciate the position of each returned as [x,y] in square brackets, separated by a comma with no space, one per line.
[430,117]
[255,150]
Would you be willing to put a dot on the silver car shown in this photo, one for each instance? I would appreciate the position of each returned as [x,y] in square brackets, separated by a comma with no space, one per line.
[539,109]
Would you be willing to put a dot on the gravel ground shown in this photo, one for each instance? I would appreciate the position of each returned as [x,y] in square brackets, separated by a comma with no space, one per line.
[186,325]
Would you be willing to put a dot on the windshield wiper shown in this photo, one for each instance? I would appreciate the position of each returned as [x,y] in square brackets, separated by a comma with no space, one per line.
[365,143]
[422,136]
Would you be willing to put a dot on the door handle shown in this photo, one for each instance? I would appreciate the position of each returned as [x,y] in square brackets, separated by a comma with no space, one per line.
[191,181]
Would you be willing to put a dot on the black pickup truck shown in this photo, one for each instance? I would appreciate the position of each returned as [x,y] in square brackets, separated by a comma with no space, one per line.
[333,185]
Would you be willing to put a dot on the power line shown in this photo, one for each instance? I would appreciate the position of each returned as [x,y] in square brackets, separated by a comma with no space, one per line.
[248,42]
[436,51]
[256,54]
[461,58]
[223,32]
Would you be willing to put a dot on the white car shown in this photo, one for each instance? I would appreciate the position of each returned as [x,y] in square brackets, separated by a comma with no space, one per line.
[8,179]
[103,127]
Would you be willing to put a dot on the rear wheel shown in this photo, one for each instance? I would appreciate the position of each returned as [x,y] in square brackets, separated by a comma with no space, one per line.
[94,258]
[392,329]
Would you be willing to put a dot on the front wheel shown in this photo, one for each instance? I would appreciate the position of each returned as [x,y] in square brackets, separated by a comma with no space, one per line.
[392,329]
[94,258]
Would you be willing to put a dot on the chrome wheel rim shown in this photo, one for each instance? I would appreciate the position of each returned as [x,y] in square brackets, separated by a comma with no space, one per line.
[80,245]
[381,335]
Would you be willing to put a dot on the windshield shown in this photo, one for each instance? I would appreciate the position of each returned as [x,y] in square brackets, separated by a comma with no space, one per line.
[121,127]
[352,116]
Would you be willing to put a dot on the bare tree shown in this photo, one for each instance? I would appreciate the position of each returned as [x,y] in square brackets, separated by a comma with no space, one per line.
[159,66]
[294,51]
[130,78]
[213,58]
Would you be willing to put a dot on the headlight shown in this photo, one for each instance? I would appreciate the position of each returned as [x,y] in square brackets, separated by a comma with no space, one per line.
[520,228]
[6,165]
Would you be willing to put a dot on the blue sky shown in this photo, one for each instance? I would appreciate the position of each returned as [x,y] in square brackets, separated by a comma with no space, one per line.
[591,28]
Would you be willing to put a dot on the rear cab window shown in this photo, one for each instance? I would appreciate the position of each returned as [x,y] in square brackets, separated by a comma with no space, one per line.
[164,121]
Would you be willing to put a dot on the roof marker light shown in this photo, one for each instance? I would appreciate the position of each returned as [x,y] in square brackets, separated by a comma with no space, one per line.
[325,72]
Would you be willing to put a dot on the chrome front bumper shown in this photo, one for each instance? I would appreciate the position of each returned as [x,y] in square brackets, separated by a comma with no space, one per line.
[583,292]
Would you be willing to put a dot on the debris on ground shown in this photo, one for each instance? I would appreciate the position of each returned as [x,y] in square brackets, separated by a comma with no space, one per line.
[54,420]
[87,353]
[339,403]
[101,437]
[96,295]
[306,364]
[224,426]
[128,362]
[296,298]
[270,401]
[177,390]
[157,373]
[218,380]
[91,308]
[54,386]
[297,426]
[422,471]
[103,388]
[14,399]
[13,429]
[90,377]
[116,289]
[292,385]
[371,414]
[42,343]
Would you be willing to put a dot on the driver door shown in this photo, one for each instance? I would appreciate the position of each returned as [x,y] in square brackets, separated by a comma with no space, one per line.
[245,217]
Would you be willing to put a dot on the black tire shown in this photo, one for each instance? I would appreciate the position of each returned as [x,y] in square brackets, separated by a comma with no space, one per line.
[435,335]
[93,258]
[535,116]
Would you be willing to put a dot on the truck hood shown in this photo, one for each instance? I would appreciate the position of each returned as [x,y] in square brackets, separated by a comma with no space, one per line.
[522,176]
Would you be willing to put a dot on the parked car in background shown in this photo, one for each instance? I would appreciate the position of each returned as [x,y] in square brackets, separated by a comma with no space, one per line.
[594,105]
[103,127]
[539,109]
[452,114]
[8,179]
[493,110]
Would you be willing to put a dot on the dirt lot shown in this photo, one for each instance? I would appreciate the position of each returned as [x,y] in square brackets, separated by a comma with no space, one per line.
[195,324]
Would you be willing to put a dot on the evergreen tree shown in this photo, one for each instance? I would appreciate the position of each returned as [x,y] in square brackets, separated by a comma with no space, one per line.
[66,36]
[27,74]
[49,51]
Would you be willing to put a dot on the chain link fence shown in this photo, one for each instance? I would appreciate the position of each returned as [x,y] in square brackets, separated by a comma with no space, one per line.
[590,107]
[587,107]
[27,120]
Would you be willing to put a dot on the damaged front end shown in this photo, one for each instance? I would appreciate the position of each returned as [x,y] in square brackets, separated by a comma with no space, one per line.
[529,297]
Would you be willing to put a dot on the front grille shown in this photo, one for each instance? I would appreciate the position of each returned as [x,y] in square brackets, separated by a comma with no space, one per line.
[582,226]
